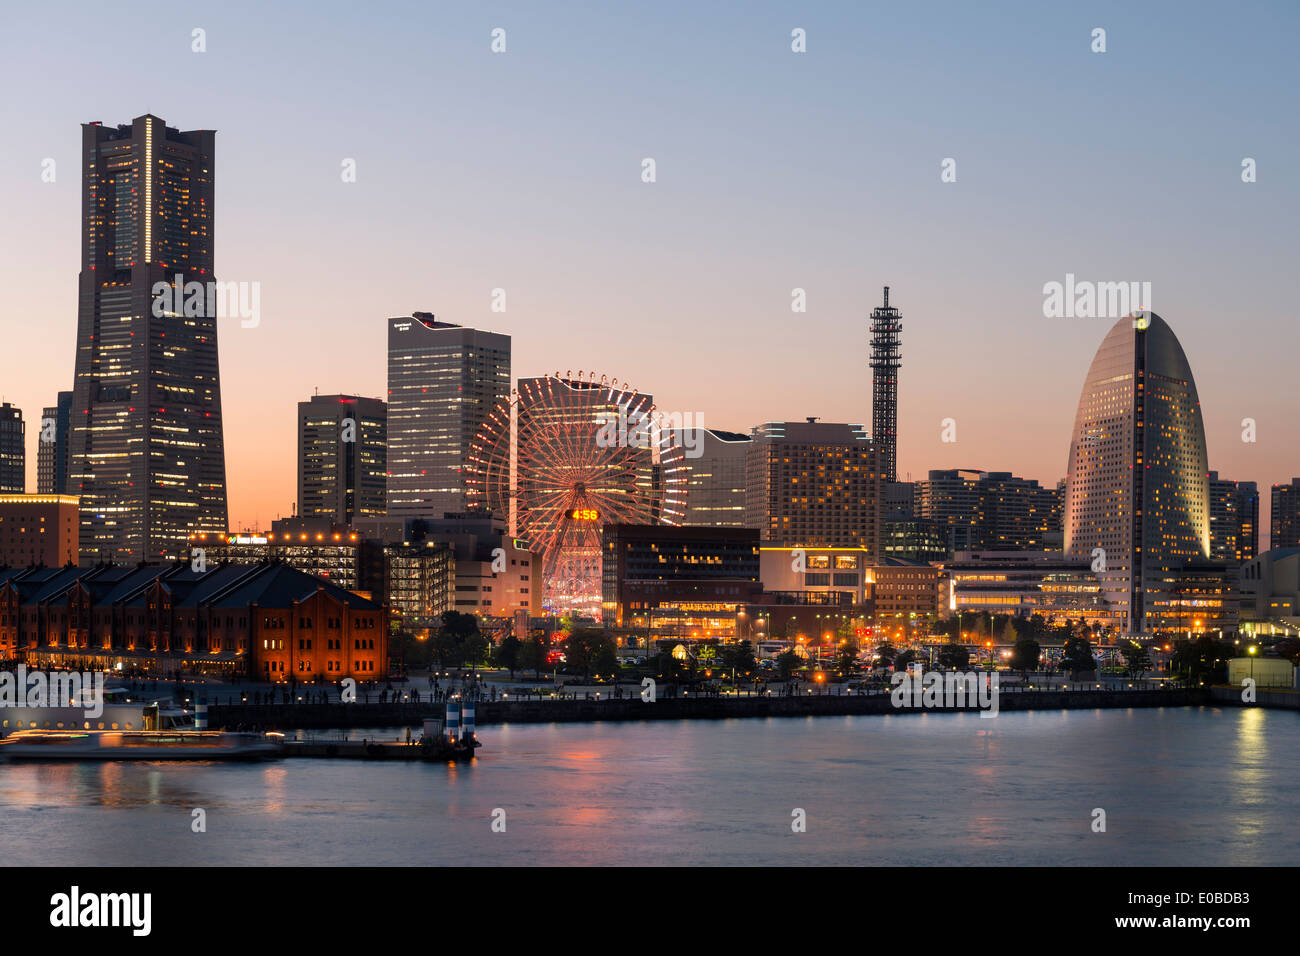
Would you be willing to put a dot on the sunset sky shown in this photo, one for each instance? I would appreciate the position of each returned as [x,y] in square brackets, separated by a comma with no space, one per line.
[775,170]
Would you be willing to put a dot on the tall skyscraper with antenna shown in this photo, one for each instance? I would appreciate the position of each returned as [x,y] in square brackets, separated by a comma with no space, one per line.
[886,357]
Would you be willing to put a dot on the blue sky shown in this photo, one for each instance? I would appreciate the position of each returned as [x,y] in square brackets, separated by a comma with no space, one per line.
[775,170]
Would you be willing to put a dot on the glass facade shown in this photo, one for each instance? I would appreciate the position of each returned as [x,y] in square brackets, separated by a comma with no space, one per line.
[443,383]
[147,455]
[13,450]
[52,447]
[814,484]
[342,455]
[1137,491]
[989,510]
[715,481]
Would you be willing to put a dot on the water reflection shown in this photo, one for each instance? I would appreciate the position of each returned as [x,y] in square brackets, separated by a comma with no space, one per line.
[1180,786]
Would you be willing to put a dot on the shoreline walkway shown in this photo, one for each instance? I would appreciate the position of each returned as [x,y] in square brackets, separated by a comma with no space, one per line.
[305,716]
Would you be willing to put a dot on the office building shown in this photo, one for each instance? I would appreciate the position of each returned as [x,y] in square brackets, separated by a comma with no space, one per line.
[342,454]
[147,455]
[1137,492]
[1197,597]
[917,539]
[38,530]
[1269,593]
[901,592]
[1234,519]
[900,500]
[818,569]
[1247,521]
[1024,583]
[496,574]
[13,450]
[811,623]
[52,449]
[444,381]
[989,510]
[320,547]
[420,585]
[685,581]
[909,595]
[715,482]
[814,484]
[1284,516]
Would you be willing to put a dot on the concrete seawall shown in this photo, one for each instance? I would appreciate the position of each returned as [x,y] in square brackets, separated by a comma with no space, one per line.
[325,716]
[1264,697]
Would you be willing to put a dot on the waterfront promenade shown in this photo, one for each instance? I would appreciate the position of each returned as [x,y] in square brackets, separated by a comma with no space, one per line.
[630,707]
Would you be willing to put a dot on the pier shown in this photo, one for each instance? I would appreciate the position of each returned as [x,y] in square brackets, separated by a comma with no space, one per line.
[377,750]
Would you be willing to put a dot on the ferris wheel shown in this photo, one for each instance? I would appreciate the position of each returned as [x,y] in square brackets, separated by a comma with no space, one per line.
[566,455]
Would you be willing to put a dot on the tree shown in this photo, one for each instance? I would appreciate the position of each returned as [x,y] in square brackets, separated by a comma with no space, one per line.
[1025,655]
[739,657]
[953,657]
[1009,631]
[946,626]
[846,658]
[416,653]
[1136,658]
[904,659]
[1034,626]
[1202,660]
[605,658]
[532,656]
[590,648]
[670,668]
[508,654]
[885,653]
[1076,655]
[458,640]
[1288,648]
[786,663]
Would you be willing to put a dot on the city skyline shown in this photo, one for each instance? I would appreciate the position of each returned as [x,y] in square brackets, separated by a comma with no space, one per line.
[969,280]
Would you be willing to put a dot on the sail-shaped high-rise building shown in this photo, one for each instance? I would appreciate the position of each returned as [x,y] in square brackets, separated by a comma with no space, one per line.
[1137,487]
[147,456]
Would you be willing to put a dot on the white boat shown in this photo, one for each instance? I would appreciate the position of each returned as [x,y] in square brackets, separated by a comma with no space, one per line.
[138,745]
[124,732]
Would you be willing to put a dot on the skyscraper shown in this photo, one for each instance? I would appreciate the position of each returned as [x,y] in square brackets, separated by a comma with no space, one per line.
[715,481]
[342,450]
[13,450]
[989,510]
[886,357]
[52,449]
[147,455]
[1223,518]
[814,484]
[443,382]
[1247,521]
[1234,520]
[1137,492]
[1284,516]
